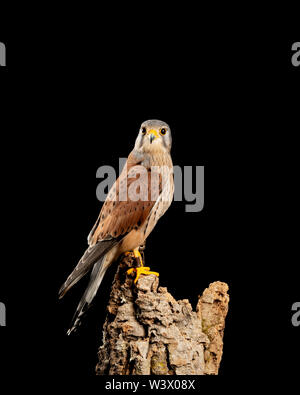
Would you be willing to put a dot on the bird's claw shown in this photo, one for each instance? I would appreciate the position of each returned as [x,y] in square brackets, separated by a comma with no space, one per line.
[139,271]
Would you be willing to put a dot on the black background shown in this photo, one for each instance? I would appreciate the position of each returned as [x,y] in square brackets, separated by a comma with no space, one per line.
[73,95]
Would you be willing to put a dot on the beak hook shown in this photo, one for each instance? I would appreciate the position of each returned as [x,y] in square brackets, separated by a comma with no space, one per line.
[152,137]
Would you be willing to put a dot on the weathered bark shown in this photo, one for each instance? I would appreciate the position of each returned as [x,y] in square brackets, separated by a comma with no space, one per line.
[147,331]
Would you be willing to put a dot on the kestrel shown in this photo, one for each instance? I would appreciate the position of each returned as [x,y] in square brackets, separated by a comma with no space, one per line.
[139,197]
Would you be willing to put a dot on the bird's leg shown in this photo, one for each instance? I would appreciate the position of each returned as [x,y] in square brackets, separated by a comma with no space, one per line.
[137,256]
[139,270]
[142,248]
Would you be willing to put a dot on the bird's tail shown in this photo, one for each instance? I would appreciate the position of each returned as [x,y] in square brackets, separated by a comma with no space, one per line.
[97,275]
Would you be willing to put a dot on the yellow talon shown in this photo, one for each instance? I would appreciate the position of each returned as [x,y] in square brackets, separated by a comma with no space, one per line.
[141,270]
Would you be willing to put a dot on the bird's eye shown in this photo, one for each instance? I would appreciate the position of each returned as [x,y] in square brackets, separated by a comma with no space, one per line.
[163,131]
[144,130]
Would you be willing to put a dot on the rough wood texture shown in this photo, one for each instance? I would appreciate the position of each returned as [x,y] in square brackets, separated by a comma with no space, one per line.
[147,331]
[212,308]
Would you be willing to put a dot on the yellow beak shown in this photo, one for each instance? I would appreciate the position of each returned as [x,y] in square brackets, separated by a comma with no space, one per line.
[152,135]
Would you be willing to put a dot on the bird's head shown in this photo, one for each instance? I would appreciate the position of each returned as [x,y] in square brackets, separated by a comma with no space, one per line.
[154,135]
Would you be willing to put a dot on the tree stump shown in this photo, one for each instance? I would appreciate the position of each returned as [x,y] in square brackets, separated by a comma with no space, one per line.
[147,331]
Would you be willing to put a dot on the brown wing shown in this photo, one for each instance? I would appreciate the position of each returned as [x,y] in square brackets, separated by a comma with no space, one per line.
[119,216]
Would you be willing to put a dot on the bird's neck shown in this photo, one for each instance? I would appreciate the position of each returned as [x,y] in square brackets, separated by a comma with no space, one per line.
[153,157]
